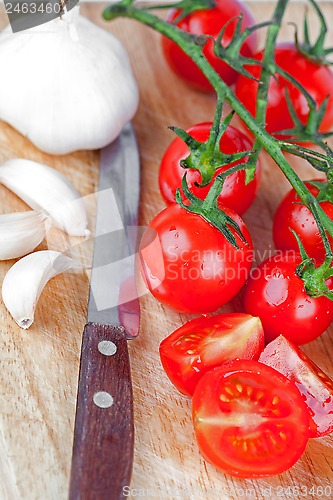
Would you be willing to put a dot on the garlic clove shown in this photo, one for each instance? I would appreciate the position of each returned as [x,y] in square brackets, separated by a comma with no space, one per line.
[44,188]
[26,279]
[79,91]
[21,233]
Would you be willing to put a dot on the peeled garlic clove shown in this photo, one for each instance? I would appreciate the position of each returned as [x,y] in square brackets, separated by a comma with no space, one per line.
[26,280]
[21,233]
[67,84]
[44,188]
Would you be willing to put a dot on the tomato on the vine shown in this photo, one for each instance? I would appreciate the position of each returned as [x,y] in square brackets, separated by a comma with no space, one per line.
[277,295]
[204,343]
[236,194]
[314,385]
[189,265]
[293,214]
[249,420]
[209,22]
[317,79]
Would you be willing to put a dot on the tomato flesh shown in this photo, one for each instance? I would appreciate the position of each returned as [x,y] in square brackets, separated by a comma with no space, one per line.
[209,22]
[189,265]
[236,194]
[278,297]
[315,78]
[204,343]
[314,385]
[293,214]
[249,420]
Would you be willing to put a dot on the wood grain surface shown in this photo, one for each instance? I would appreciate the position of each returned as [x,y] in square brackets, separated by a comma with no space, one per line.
[39,368]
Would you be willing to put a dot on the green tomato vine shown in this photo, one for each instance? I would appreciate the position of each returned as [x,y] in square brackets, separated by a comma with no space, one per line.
[206,157]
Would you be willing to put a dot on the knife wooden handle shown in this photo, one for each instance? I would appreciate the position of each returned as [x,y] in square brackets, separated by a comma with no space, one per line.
[104,431]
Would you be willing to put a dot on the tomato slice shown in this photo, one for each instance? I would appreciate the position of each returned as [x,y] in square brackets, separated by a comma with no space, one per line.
[203,343]
[249,420]
[315,386]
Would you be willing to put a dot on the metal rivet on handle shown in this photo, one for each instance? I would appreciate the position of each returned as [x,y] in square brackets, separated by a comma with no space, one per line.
[107,347]
[103,399]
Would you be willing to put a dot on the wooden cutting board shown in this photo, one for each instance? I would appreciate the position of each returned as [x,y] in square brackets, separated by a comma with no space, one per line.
[39,368]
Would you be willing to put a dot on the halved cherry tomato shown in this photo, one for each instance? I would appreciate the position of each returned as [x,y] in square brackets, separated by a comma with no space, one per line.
[314,385]
[209,22]
[249,420]
[189,265]
[236,194]
[293,214]
[204,343]
[315,78]
[277,295]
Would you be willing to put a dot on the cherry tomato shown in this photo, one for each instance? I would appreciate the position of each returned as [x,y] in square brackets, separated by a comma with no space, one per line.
[316,79]
[292,213]
[314,385]
[249,420]
[277,295]
[204,343]
[189,265]
[209,22]
[236,194]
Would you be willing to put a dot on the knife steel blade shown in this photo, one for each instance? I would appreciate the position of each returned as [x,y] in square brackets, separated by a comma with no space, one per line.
[104,432]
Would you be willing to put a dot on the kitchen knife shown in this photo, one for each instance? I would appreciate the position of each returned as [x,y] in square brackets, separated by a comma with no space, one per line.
[104,432]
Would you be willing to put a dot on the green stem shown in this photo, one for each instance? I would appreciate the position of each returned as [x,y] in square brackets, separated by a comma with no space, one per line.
[328,250]
[214,137]
[268,61]
[188,44]
[267,70]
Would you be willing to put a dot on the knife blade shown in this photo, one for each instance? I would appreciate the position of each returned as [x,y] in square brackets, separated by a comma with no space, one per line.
[104,431]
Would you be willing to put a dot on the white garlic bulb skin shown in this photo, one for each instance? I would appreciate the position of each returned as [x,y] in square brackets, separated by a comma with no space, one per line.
[26,279]
[44,188]
[67,84]
[21,233]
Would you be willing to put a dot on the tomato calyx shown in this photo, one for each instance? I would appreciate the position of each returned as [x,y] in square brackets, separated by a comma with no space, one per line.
[325,190]
[231,53]
[315,52]
[186,7]
[321,162]
[207,157]
[209,209]
[308,132]
[302,132]
[315,277]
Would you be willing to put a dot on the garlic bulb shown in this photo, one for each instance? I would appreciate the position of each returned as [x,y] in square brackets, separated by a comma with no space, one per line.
[66,84]
[44,188]
[26,280]
[21,233]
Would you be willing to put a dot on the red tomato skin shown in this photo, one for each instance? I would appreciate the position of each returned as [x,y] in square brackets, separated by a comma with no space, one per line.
[236,194]
[204,343]
[277,296]
[209,22]
[214,445]
[316,79]
[187,263]
[314,385]
[292,213]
